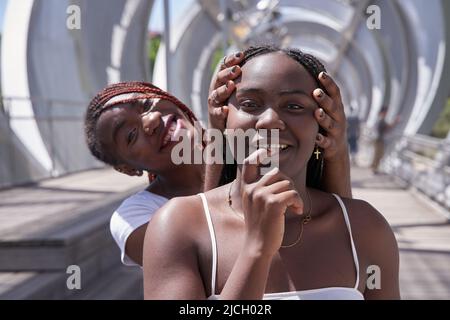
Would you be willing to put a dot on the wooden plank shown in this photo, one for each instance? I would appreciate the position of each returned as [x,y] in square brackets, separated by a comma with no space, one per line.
[422,232]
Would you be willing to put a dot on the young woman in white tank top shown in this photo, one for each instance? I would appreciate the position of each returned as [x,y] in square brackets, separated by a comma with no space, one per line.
[272,236]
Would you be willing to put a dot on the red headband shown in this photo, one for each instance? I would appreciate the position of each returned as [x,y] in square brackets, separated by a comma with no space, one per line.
[143,90]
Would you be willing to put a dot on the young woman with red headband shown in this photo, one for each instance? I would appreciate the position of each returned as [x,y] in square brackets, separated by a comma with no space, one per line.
[133,126]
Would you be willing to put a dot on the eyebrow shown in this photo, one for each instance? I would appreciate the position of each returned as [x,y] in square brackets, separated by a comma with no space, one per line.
[282,93]
[293,91]
[117,126]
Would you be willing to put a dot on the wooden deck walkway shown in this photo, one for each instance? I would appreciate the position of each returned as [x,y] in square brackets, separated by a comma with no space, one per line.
[422,231]
[48,226]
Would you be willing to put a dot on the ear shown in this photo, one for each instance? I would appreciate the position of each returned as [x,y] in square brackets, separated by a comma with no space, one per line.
[128,170]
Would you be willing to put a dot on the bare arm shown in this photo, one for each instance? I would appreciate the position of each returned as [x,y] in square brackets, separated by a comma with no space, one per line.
[135,243]
[377,243]
[385,255]
[170,261]
[336,174]
[222,86]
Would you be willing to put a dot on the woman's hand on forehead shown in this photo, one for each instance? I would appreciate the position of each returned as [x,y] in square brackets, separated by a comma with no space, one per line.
[221,88]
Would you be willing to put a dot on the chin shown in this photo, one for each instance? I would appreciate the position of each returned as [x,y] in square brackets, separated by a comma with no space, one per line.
[293,167]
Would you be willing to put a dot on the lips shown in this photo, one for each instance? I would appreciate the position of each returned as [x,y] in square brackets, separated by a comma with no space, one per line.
[172,129]
[274,147]
[169,123]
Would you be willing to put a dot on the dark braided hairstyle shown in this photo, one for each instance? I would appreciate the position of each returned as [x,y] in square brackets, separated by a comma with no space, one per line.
[134,92]
[314,68]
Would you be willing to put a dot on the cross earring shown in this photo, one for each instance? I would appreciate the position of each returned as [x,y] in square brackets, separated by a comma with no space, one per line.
[317,153]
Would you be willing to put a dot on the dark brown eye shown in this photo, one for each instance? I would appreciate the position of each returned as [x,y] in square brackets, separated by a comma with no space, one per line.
[294,106]
[131,135]
[148,105]
[249,105]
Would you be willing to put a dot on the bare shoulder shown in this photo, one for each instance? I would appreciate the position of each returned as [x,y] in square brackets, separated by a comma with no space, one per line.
[178,220]
[171,251]
[371,230]
[377,247]
[363,213]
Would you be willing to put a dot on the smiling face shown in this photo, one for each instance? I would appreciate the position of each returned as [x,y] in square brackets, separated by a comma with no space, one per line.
[275,92]
[141,135]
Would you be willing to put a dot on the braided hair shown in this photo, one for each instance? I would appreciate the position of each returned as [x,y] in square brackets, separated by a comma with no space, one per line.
[314,68]
[121,94]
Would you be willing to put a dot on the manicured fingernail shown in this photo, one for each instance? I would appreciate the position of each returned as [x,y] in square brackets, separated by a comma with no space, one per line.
[319,93]
[323,75]
[321,113]
[238,55]
[234,69]
[229,83]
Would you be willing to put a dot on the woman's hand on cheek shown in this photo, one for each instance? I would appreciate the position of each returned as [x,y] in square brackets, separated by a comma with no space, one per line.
[221,88]
[331,117]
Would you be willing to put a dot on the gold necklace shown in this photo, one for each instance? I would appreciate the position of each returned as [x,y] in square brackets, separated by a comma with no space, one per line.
[303,222]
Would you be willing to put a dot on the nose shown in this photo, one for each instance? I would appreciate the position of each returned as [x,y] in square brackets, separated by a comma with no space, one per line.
[151,121]
[270,119]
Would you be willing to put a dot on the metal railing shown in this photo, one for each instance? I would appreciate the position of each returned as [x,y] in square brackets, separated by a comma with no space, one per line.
[423,162]
[53,117]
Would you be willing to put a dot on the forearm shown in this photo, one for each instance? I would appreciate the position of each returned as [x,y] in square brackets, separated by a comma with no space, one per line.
[336,176]
[214,166]
[248,278]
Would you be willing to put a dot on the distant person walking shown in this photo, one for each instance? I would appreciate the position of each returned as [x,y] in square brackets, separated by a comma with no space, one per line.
[353,132]
[380,142]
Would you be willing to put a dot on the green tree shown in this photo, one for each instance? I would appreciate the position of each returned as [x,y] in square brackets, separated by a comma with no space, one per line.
[442,125]
[153,47]
[217,56]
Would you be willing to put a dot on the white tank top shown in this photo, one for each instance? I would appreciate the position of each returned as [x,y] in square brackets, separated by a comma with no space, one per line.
[330,293]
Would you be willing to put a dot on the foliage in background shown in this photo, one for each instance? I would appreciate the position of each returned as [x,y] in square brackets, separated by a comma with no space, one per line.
[442,125]
[153,47]
[217,56]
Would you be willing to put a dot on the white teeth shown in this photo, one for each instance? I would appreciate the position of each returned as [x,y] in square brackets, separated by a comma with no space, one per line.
[169,134]
[275,146]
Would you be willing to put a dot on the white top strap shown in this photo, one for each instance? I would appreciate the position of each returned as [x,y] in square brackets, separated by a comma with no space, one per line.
[347,222]
[213,243]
